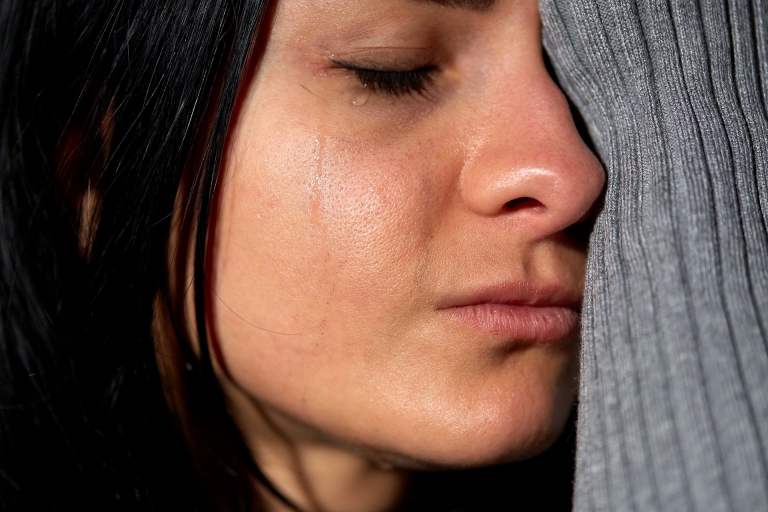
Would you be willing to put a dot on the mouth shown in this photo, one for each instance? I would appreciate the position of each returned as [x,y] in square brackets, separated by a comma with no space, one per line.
[523,312]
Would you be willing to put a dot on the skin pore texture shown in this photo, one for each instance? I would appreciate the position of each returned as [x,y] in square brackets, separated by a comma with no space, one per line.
[397,261]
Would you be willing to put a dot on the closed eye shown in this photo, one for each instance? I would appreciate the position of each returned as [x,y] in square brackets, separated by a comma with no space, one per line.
[392,82]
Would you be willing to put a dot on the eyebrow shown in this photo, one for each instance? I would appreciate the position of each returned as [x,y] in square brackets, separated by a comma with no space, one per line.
[472,5]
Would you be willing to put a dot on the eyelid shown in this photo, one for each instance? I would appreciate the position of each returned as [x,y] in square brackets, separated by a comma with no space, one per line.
[401,57]
[393,68]
[393,81]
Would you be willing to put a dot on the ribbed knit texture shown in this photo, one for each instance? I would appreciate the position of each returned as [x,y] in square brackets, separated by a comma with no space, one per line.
[673,410]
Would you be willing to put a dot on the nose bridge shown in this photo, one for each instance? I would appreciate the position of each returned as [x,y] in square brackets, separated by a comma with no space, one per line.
[528,160]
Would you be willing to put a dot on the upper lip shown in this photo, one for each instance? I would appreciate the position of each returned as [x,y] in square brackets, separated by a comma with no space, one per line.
[516,293]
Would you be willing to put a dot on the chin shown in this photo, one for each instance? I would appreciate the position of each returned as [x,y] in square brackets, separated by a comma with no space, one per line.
[494,436]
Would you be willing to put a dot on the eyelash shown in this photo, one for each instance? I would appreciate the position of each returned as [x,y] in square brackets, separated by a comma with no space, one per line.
[396,83]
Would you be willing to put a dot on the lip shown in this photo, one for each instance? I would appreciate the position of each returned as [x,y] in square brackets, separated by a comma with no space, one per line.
[520,311]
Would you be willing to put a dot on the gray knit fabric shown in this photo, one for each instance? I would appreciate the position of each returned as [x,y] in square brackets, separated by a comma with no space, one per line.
[673,408]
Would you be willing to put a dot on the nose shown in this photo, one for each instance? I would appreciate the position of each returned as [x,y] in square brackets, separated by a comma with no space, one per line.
[529,163]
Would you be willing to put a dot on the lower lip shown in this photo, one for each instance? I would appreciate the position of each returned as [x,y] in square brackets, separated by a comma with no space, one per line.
[521,323]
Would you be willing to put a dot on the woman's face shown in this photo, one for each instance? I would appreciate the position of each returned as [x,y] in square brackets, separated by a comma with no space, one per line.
[396,259]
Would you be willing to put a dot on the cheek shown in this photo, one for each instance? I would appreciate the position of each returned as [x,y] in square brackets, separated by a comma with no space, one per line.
[321,238]
[364,212]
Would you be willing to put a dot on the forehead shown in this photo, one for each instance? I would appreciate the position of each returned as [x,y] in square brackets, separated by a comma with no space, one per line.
[368,16]
[467,5]
[472,5]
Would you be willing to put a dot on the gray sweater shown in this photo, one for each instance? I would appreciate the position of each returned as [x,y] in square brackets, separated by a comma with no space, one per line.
[673,410]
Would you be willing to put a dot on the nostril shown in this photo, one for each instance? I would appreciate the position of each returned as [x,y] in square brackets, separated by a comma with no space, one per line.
[523,203]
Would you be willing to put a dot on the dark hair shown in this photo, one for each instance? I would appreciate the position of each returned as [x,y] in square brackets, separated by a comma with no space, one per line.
[101,105]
